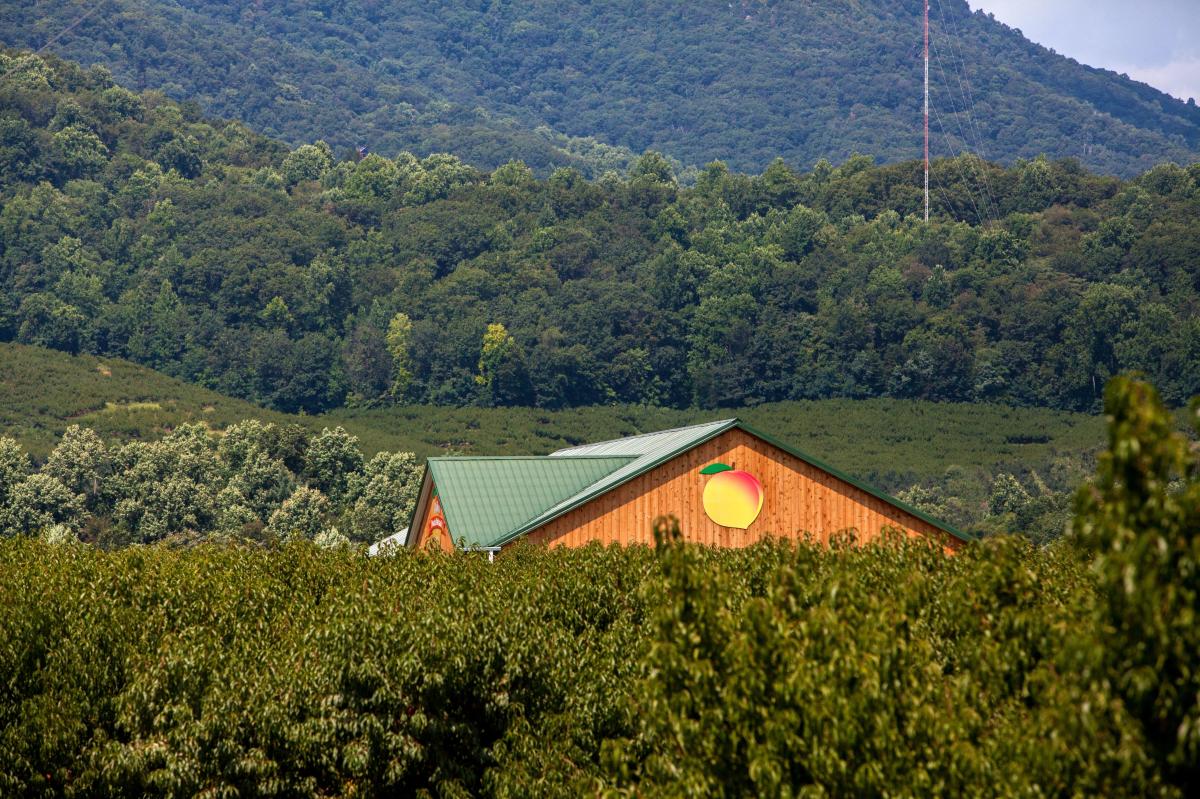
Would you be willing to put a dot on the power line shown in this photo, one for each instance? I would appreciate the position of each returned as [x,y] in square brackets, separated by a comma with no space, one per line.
[966,139]
[959,67]
[69,28]
[962,172]
[78,21]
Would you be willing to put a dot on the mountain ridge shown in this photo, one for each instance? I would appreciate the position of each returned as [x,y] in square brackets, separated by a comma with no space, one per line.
[587,84]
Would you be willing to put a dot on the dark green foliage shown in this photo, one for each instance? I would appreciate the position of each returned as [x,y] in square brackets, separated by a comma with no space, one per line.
[309,673]
[252,278]
[777,670]
[744,81]
[886,669]
[1143,518]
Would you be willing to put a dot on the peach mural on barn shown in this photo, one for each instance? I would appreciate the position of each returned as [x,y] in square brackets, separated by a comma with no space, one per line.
[732,498]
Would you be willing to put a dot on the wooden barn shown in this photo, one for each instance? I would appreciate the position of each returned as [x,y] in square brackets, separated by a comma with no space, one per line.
[728,484]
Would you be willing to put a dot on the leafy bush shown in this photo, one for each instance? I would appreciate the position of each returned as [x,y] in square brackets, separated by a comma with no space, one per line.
[778,670]
[1143,518]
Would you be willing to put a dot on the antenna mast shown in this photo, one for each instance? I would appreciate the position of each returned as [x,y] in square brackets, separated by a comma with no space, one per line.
[926,2]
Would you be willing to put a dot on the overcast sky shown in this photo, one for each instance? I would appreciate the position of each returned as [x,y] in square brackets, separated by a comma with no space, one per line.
[1153,41]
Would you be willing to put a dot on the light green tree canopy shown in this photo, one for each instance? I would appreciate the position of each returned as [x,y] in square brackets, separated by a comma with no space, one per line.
[301,516]
[399,333]
[331,458]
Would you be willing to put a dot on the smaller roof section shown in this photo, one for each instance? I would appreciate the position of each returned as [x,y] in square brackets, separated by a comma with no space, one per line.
[487,498]
[389,545]
[663,443]
[641,452]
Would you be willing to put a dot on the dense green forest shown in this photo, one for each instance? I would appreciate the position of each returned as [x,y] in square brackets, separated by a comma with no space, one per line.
[134,227]
[779,670]
[556,84]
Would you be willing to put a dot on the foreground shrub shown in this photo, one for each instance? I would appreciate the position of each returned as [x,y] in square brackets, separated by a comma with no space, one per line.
[881,670]
[154,671]
[1142,519]
[778,670]
[302,671]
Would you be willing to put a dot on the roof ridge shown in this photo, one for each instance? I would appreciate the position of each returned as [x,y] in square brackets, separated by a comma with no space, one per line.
[445,458]
[731,419]
[640,464]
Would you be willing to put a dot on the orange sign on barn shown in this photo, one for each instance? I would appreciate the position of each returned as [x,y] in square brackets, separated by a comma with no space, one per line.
[436,527]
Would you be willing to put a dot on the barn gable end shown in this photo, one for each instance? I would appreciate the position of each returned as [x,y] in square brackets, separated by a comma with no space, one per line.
[800,498]
[613,491]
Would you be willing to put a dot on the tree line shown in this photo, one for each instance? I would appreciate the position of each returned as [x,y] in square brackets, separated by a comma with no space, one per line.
[135,227]
[255,482]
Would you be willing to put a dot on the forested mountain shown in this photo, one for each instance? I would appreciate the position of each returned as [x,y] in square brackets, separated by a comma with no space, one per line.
[743,81]
[132,226]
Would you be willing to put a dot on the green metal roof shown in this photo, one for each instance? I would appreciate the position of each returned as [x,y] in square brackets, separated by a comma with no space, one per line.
[664,442]
[644,451]
[484,499]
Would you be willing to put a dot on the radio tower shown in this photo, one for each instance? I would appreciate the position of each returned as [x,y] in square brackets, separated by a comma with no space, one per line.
[926,2]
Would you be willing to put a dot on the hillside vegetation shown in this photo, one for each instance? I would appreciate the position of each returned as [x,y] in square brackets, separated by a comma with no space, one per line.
[777,670]
[958,455]
[42,392]
[741,81]
[135,228]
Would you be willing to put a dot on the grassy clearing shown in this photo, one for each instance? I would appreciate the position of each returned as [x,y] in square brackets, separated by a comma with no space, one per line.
[43,391]
[891,442]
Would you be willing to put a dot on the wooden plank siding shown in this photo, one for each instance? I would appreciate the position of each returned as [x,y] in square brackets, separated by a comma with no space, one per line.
[799,499]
